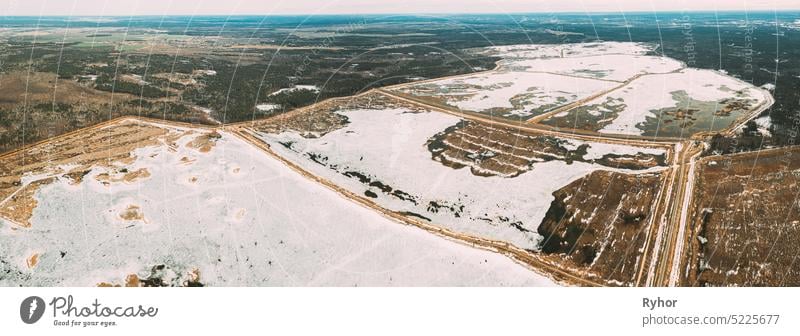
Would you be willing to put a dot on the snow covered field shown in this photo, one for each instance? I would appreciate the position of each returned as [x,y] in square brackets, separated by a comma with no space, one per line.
[649,94]
[534,79]
[663,96]
[623,87]
[616,61]
[509,93]
[234,216]
[382,154]
[613,67]
[529,51]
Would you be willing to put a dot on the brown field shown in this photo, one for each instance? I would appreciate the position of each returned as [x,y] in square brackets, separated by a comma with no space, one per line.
[597,225]
[491,150]
[745,222]
[17,88]
[41,106]
[319,119]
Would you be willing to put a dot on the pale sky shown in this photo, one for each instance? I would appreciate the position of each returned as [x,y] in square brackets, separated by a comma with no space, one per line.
[266,7]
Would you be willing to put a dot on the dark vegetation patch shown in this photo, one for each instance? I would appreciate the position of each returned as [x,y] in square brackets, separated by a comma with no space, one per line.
[490,150]
[597,224]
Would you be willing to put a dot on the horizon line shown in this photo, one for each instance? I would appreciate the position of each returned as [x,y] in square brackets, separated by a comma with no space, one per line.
[618,12]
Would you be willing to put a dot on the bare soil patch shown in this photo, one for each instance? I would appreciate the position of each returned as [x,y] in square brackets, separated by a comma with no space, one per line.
[72,157]
[745,222]
[597,225]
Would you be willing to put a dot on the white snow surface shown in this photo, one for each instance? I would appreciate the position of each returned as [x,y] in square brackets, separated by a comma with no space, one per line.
[655,92]
[544,77]
[390,146]
[764,123]
[551,76]
[597,150]
[609,67]
[529,51]
[296,88]
[247,220]
[267,107]
[484,91]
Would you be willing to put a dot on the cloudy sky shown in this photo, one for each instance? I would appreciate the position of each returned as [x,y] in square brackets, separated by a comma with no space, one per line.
[263,7]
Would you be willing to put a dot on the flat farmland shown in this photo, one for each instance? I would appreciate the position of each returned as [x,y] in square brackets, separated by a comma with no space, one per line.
[136,202]
[677,104]
[614,88]
[480,180]
[598,225]
[580,162]
[746,222]
[507,94]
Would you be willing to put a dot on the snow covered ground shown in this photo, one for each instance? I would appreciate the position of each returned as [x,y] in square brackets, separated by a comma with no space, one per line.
[529,51]
[609,67]
[267,107]
[238,217]
[764,124]
[295,88]
[509,93]
[535,79]
[382,154]
[650,93]
[597,150]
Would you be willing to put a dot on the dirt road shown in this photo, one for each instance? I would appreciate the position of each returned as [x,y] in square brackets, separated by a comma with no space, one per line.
[667,241]
[538,128]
